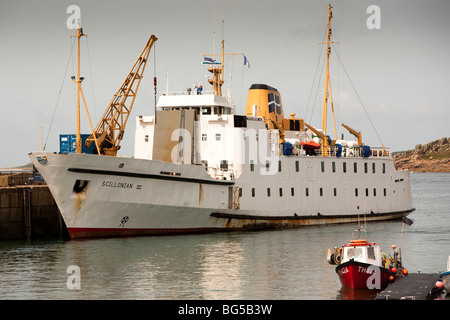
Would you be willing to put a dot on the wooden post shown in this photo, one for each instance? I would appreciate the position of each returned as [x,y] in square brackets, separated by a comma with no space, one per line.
[60,224]
[27,212]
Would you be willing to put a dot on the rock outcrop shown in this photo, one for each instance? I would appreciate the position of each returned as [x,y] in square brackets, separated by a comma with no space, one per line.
[431,157]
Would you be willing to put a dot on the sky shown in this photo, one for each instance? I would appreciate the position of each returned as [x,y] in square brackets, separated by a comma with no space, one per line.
[388,71]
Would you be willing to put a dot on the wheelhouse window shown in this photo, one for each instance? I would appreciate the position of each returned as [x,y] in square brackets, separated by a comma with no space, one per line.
[371,253]
[355,253]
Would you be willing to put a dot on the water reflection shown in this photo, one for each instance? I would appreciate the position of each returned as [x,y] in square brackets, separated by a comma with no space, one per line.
[356,294]
[285,264]
[220,269]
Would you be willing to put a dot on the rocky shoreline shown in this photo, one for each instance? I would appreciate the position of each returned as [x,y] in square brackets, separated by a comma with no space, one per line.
[431,157]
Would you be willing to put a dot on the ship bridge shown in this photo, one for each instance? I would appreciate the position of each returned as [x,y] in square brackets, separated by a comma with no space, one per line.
[202,103]
[191,129]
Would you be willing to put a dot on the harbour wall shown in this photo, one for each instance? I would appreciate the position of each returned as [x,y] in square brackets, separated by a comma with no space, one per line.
[29,212]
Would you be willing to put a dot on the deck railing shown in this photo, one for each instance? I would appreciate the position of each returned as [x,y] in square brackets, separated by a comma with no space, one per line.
[332,151]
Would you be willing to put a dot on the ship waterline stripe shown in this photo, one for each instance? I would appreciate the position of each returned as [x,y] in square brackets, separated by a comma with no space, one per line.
[86,232]
[150,176]
[79,233]
[299,217]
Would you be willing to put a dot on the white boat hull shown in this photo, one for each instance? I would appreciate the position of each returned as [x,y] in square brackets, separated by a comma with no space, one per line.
[100,196]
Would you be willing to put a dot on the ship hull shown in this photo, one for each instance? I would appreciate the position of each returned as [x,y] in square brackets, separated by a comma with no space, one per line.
[357,275]
[222,223]
[102,196]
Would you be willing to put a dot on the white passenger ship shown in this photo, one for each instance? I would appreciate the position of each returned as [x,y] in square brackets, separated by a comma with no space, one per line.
[199,167]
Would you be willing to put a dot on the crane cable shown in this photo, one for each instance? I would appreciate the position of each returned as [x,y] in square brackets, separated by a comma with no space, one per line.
[314,81]
[59,95]
[154,75]
[362,104]
[92,78]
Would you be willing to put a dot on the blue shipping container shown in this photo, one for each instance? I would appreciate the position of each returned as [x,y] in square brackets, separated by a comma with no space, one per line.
[67,143]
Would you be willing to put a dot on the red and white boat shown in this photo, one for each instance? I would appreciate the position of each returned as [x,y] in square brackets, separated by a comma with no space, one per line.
[362,265]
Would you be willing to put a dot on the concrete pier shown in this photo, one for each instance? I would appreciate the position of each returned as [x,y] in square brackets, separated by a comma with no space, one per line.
[414,286]
[29,212]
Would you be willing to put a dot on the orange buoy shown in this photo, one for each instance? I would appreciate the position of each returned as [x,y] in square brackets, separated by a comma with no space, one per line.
[405,272]
[391,278]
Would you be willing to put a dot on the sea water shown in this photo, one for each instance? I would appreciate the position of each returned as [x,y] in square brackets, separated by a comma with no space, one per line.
[272,265]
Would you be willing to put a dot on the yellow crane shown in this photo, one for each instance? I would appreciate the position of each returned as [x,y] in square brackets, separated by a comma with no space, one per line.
[357,134]
[325,147]
[322,136]
[109,132]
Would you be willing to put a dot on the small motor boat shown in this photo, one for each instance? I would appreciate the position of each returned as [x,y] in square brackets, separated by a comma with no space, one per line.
[362,265]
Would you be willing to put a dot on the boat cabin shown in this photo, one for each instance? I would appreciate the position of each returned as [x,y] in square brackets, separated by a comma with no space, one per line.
[359,249]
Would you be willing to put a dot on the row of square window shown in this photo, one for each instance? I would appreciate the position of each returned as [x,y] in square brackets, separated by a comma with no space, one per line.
[322,166]
[320,192]
[205,136]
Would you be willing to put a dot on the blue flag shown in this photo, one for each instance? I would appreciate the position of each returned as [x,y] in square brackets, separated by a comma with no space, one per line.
[208,60]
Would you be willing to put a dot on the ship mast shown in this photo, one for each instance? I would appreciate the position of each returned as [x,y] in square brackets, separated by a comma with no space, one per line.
[327,91]
[78,82]
[217,80]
